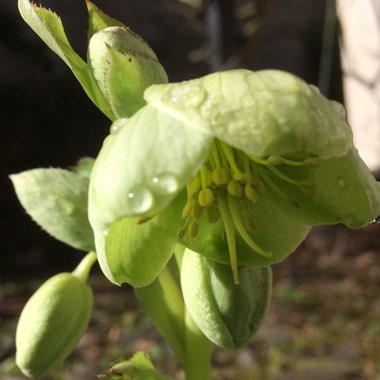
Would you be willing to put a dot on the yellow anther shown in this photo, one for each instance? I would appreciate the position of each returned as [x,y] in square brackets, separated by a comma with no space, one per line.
[234,188]
[194,185]
[212,214]
[206,197]
[221,176]
[187,209]
[144,219]
[306,186]
[239,176]
[250,192]
[192,230]
[252,179]
[274,160]
[196,209]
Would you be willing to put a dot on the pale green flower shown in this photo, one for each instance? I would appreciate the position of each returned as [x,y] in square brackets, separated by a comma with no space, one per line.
[235,166]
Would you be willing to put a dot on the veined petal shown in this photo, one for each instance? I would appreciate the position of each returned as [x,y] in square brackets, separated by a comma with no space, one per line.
[143,165]
[262,113]
[345,192]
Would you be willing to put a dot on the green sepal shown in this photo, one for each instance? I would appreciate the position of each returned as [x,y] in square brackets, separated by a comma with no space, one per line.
[134,252]
[344,191]
[139,367]
[142,166]
[98,20]
[228,314]
[263,113]
[51,323]
[48,26]
[124,66]
[276,232]
[56,199]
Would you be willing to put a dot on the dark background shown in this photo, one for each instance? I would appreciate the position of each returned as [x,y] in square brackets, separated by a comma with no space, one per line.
[47,120]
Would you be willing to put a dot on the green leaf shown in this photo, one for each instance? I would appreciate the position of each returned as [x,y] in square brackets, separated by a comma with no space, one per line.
[262,113]
[135,252]
[139,367]
[48,27]
[98,20]
[124,66]
[142,166]
[56,199]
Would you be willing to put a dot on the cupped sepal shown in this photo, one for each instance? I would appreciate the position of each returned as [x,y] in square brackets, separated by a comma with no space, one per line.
[143,164]
[51,323]
[343,191]
[134,250]
[228,314]
[268,112]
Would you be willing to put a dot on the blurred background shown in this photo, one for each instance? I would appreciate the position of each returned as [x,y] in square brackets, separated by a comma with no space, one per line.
[325,318]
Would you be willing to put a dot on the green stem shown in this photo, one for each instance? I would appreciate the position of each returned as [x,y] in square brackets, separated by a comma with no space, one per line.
[83,269]
[198,352]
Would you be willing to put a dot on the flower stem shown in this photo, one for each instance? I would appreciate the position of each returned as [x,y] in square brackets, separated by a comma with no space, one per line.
[83,269]
[198,352]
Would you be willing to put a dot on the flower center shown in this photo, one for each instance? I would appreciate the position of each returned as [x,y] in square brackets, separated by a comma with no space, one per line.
[228,180]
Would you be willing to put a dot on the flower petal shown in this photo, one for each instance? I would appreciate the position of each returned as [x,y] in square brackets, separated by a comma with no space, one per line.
[134,252]
[142,166]
[263,113]
[345,192]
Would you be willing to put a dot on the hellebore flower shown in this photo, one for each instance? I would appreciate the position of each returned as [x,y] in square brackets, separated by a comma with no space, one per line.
[235,166]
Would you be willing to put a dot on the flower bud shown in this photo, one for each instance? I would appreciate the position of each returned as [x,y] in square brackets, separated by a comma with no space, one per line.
[228,314]
[124,66]
[51,323]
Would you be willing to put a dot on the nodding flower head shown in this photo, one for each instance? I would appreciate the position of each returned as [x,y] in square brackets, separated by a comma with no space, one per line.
[235,166]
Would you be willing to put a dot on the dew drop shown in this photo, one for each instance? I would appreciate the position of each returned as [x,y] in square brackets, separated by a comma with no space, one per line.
[139,200]
[116,126]
[189,95]
[342,182]
[164,184]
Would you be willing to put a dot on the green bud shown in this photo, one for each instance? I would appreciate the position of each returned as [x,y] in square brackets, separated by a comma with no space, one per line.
[51,323]
[124,66]
[229,315]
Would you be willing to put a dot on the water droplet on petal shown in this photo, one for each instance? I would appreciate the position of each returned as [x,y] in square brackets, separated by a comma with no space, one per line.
[342,182]
[189,95]
[139,200]
[116,126]
[164,184]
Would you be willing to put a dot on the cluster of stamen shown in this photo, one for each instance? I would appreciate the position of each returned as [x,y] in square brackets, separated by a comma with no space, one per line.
[230,180]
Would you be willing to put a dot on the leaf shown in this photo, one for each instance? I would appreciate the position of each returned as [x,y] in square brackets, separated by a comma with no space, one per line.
[263,113]
[98,20]
[139,367]
[56,199]
[124,66]
[48,27]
